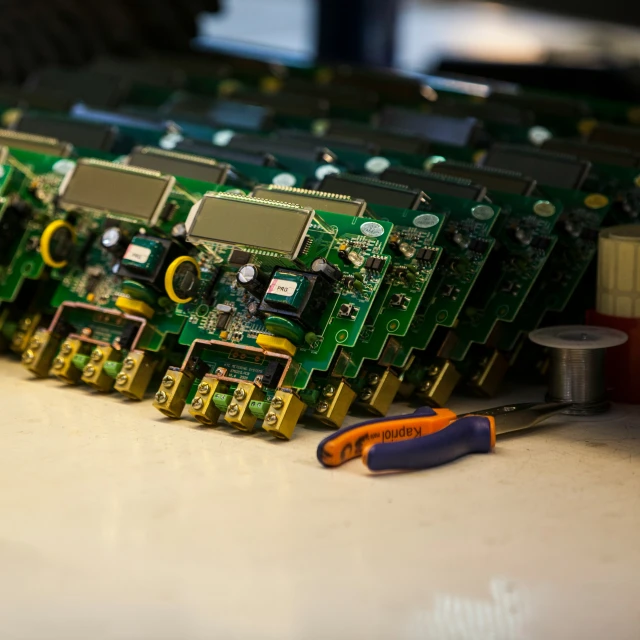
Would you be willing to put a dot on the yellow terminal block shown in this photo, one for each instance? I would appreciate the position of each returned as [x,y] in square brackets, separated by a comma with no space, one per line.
[135,375]
[238,414]
[284,412]
[27,326]
[380,393]
[336,401]
[134,307]
[94,375]
[488,378]
[63,366]
[443,379]
[202,407]
[277,345]
[173,392]
[42,349]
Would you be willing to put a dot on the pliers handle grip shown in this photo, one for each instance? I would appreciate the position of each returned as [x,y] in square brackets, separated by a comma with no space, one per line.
[351,442]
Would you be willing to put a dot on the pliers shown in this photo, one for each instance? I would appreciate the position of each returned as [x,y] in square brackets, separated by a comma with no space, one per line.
[429,437]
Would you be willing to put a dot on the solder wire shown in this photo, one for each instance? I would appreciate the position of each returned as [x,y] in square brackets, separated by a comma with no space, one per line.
[577,373]
[577,376]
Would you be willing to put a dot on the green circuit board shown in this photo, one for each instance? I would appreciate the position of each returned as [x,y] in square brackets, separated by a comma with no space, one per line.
[403,288]
[364,302]
[336,329]
[526,237]
[469,225]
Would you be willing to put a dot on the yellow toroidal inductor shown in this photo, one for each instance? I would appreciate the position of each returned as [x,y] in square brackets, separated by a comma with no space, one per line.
[618,292]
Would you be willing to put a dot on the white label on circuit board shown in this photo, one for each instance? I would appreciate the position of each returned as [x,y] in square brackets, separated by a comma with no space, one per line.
[425,220]
[284,288]
[137,254]
[371,229]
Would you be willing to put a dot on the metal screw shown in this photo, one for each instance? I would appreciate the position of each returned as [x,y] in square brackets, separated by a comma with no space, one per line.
[97,355]
[129,363]
[240,394]
[221,372]
[322,407]
[122,379]
[233,409]
[366,395]
[204,389]
[433,370]
[58,363]
[25,323]
[197,404]
[18,338]
[271,418]
[373,379]
[28,357]
[35,343]
[277,402]
[89,370]
[161,397]
[66,348]
[168,382]
[426,386]
[329,391]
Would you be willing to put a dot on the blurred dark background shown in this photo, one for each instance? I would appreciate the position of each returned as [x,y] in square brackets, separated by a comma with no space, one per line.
[533,41]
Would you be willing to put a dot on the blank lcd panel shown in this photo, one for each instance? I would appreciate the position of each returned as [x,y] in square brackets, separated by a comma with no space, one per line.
[553,170]
[179,164]
[459,132]
[615,136]
[313,200]
[594,152]
[120,191]
[37,144]
[373,191]
[240,222]
[81,134]
[429,183]
[494,180]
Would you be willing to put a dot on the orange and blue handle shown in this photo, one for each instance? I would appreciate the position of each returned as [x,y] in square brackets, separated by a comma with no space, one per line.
[352,442]
[470,434]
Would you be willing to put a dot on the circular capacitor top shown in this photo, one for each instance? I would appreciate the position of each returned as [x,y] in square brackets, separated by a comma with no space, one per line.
[578,337]
[181,279]
[111,238]
[252,280]
[330,271]
[247,274]
[56,244]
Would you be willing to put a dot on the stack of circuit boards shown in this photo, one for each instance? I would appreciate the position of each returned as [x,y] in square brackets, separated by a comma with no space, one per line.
[263,243]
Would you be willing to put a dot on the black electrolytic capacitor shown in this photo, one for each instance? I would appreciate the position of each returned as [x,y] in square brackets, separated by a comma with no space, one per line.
[328,270]
[114,240]
[252,280]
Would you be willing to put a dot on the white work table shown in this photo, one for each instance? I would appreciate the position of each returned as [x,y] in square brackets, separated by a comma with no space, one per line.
[117,523]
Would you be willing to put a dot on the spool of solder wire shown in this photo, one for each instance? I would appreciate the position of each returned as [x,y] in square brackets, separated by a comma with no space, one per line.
[577,371]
